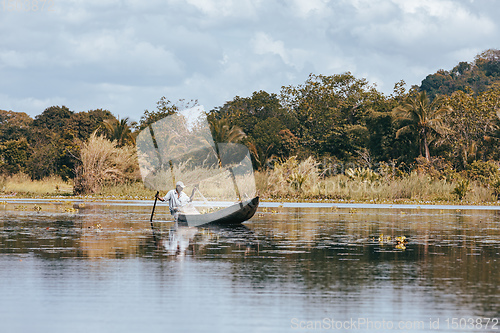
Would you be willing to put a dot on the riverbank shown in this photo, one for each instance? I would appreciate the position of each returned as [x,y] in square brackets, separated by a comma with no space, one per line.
[412,190]
[75,203]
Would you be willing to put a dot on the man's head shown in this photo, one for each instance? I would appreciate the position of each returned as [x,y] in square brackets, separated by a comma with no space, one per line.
[179,186]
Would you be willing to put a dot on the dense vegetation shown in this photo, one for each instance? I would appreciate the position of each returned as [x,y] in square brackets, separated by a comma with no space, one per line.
[448,128]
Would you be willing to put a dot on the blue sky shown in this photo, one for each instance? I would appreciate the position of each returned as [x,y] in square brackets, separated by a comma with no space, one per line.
[124,55]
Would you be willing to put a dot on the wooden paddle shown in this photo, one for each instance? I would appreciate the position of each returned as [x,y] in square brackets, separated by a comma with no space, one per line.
[152,213]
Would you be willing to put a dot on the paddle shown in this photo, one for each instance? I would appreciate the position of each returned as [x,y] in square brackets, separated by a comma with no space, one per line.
[152,213]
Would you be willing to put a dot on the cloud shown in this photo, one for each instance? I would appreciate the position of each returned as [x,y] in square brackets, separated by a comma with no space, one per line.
[125,54]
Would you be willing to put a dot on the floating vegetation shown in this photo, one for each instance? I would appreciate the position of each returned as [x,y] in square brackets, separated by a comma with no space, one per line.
[20,207]
[401,242]
[401,246]
[71,210]
[384,239]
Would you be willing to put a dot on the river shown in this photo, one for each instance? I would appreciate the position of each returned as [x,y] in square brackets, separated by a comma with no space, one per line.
[81,266]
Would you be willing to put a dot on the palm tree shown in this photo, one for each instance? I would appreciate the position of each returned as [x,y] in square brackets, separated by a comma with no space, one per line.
[119,130]
[423,117]
[223,132]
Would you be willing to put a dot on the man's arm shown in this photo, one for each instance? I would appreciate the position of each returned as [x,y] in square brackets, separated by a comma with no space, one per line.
[192,194]
[159,198]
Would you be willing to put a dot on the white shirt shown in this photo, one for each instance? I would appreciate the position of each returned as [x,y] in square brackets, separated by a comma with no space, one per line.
[176,200]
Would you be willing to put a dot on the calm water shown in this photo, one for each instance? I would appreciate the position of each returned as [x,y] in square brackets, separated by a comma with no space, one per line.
[99,269]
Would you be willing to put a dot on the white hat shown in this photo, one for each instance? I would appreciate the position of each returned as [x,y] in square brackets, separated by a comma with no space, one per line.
[181,184]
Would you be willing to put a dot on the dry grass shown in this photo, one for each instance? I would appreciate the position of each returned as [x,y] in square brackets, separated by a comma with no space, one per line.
[290,180]
[214,183]
[129,190]
[300,180]
[103,163]
[21,184]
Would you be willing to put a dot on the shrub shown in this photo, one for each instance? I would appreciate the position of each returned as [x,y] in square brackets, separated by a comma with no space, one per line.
[495,186]
[102,162]
[292,174]
[483,171]
[461,188]
[436,168]
[362,174]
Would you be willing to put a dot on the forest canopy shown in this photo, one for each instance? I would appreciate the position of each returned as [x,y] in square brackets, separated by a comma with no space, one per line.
[453,116]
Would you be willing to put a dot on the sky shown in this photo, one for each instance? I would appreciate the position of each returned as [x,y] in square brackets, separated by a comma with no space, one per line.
[124,55]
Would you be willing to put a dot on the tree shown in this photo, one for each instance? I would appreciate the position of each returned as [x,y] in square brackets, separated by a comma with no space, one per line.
[14,125]
[223,131]
[119,130]
[53,118]
[261,117]
[13,156]
[425,118]
[489,62]
[164,108]
[330,113]
[478,76]
[82,124]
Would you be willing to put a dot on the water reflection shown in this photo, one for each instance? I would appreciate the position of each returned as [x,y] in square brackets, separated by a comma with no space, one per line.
[310,261]
[209,241]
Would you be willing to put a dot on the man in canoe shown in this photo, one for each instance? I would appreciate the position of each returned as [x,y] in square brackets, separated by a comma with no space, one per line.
[177,198]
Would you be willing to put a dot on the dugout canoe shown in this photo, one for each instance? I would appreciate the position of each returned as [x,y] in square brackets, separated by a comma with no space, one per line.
[235,214]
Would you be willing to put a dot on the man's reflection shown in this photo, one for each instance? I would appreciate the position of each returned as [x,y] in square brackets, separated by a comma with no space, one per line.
[182,239]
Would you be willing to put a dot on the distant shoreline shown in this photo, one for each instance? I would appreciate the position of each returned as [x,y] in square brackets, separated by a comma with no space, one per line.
[265,203]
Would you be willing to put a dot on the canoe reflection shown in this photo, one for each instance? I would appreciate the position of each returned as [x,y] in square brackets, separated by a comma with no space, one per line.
[180,240]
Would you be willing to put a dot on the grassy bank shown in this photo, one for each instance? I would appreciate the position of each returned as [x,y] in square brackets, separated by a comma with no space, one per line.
[411,188]
[21,185]
[304,181]
[414,188]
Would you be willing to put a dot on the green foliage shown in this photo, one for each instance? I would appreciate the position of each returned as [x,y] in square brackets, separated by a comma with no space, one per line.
[478,76]
[472,124]
[330,109]
[14,125]
[82,124]
[262,119]
[14,156]
[337,117]
[483,171]
[291,175]
[362,174]
[223,131]
[53,118]
[164,108]
[119,130]
[495,186]
[423,117]
[461,188]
